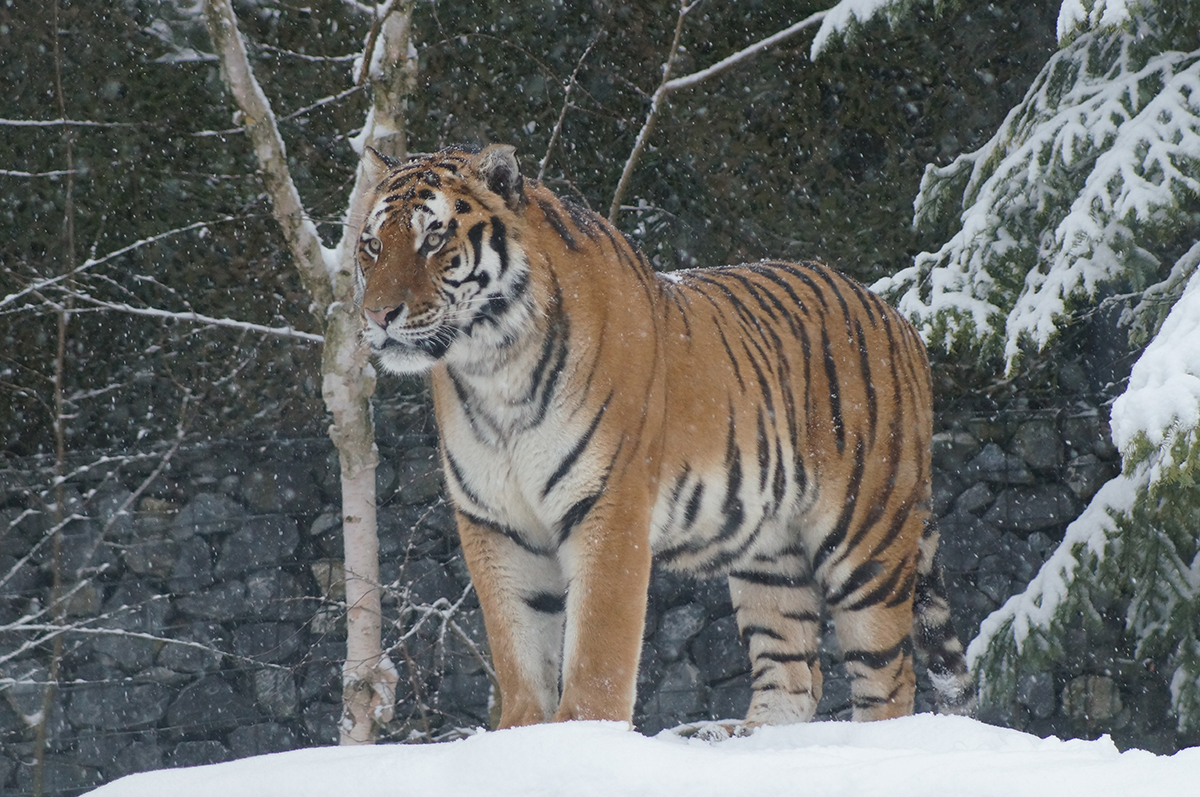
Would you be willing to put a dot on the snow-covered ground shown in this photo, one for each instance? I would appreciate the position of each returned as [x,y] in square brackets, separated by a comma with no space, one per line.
[920,756]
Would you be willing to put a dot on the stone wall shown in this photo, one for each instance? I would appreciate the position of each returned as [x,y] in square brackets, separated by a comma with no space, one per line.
[208,626]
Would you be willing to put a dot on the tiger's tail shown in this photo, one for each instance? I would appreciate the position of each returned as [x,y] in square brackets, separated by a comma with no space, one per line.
[937,646]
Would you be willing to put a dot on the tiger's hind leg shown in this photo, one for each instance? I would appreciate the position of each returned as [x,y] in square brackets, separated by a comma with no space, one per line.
[937,646]
[871,605]
[779,613]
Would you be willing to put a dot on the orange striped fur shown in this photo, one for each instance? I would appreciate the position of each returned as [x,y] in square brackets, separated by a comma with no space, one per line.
[769,423]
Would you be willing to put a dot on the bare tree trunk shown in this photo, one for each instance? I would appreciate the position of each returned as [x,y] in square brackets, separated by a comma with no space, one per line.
[368,676]
[57,603]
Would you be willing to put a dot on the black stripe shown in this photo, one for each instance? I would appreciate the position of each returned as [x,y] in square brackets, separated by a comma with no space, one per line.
[792,268]
[468,406]
[461,206]
[475,236]
[859,577]
[868,383]
[786,658]
[904,593]
[457,475]
[585,220]
[881,499]
[693,505]
[556,371]
[802,617]
[835,400]
[579,510]
[575,515]
[505,531]
[732,507]
[761,630]
[737,372]
[768,579]
[763,385]
[764,452]
[547,602]
[887,589]
[557,223]
[779,486]
[838,534]
[878,659]
[573,455]
[499,242]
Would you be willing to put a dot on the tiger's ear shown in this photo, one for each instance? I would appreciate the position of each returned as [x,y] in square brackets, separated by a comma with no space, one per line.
[497,167]
[376,164]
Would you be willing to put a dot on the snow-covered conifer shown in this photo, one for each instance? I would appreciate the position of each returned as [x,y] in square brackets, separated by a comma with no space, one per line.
[1091,189]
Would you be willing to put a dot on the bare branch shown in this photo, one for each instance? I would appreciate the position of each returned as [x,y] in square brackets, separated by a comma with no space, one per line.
[319,103]
[198,318]
[61,123]
[304,56]
[298,230]
[563,113]
[57,173]
[643,135]
[687,81]
[41,285]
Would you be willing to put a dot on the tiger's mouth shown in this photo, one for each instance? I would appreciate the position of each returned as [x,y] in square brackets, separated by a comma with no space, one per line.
[434,343]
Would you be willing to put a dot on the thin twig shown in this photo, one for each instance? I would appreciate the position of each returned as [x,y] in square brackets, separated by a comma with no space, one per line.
[61,123]
[566,104]
[656,101]
[687,81]
[56,173]
[198,318]
[92,262]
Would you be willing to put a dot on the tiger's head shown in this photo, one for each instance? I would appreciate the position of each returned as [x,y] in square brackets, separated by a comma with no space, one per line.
[440,270]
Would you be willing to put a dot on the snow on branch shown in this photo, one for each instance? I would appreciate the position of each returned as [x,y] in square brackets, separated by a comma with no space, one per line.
[1157,419]
[1071,193]
[56,173]
[844,20]
[61,123]
[687,81]
[1035,609]
[199,318]
[1079,15]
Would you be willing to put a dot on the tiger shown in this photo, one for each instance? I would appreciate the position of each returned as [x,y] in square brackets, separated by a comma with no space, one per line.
[769,423]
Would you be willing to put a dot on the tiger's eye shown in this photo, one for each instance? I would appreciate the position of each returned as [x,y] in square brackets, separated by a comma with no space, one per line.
[374,247]
[433,241]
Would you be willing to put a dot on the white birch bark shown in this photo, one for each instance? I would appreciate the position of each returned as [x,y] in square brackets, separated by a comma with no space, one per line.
[369,677]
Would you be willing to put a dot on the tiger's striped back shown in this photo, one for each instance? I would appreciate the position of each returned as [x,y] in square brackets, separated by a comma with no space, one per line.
[768,422]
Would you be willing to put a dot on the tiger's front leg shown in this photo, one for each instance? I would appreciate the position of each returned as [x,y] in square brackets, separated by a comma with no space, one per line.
[607,560]
[522,593]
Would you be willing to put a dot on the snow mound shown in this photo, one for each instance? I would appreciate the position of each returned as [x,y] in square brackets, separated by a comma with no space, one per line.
[918,756]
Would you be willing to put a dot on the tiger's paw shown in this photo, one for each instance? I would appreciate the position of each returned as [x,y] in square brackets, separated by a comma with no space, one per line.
[714,730]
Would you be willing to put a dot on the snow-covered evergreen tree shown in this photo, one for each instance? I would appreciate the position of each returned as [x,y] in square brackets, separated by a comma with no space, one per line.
[1090,188]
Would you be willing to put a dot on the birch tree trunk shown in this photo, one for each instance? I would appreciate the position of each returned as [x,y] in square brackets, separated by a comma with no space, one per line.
[368,675]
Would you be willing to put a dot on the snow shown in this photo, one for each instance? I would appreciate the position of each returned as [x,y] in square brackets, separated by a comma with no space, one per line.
[842,18]
[1077,179]
[918,756]
[1163,396]
[1075,15]
[1036,606]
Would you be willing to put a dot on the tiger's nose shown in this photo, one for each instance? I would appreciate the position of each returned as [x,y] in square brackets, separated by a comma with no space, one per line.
[382,316]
